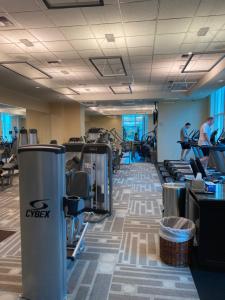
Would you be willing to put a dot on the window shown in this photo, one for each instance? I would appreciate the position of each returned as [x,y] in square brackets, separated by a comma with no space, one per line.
[217,108]
[134,124]
[6,125]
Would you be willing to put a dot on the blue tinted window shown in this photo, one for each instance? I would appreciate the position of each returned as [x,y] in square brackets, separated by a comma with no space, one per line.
[134,124]
[217,108]
[6,122]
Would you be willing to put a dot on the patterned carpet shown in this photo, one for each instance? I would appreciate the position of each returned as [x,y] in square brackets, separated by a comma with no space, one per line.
[121,259]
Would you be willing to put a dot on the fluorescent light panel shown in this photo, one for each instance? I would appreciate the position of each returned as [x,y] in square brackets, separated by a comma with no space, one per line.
[109,66]
[203,62]
[121,89]
[25,69]
[60,4]
[119,110]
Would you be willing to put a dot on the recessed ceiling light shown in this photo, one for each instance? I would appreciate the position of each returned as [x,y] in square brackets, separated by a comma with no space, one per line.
[203,31]
[110,37]
[52,4]
[37,87]
[65,72]
[25,69]
[189,53]
[107,66]
[203,62]
[221,80]
[26,42]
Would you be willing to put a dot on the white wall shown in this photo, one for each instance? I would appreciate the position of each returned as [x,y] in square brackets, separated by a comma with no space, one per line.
[172,117]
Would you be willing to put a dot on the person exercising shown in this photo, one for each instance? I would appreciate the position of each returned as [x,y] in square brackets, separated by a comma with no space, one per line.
[204,140]
[184,138]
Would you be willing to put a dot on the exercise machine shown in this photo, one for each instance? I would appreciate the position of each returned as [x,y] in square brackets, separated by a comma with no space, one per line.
[44,210]
[93,163]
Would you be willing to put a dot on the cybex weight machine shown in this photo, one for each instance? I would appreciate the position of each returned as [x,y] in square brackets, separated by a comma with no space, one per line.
[44,208]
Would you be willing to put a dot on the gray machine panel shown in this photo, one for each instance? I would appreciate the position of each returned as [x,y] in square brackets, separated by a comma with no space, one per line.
[43,227]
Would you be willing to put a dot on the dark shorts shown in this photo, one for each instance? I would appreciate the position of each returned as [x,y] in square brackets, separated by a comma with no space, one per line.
[205,151]
[185,145]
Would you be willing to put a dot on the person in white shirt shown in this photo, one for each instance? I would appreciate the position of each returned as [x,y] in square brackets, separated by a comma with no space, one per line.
[204,140]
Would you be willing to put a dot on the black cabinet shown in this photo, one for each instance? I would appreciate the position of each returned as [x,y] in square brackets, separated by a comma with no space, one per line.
[208,213]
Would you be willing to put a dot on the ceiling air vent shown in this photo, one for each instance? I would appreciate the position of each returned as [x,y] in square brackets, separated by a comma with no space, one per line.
[203,31]
[181,86]
[4,22]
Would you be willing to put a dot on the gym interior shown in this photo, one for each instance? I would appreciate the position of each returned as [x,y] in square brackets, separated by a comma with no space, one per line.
[112,149]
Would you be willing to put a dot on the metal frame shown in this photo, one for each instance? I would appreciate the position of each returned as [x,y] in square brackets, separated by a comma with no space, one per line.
[24,62]
[202,53]
[111,88]
[192,83]
[91,59]
[76,93]
[75,5]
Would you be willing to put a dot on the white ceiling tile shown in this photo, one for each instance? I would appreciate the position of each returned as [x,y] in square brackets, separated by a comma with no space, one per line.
[139,28]
[77,32]
[3,40]
[85,44]
[100,30]
[216,46]
[140,51]
[209,7]
[21,57]
[58,46]
[115,51]
[44,56]
[141,59]
[119,43]
[139,11]
[192,37]
[10,48]
[66,17]
[162,64]
[213,22]
[15,36]
[46,82]
[19,5]
[177,8]
[32,19]
[37,47]
[140,41]
[195,47]
[173,25]
[168,43]
[66,55]
[220,36]
[103,14]
[47,34]
[141,66]
[90,53]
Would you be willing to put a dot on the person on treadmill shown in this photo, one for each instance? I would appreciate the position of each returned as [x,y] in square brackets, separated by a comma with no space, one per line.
[204,140]
[184,138]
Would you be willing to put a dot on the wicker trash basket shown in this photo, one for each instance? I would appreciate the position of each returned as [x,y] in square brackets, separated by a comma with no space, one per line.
[176,239]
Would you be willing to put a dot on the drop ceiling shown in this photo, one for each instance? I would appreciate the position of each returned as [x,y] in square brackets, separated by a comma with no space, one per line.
[124,50]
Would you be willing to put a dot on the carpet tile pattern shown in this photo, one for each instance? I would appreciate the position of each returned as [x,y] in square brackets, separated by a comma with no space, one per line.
[121,257]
